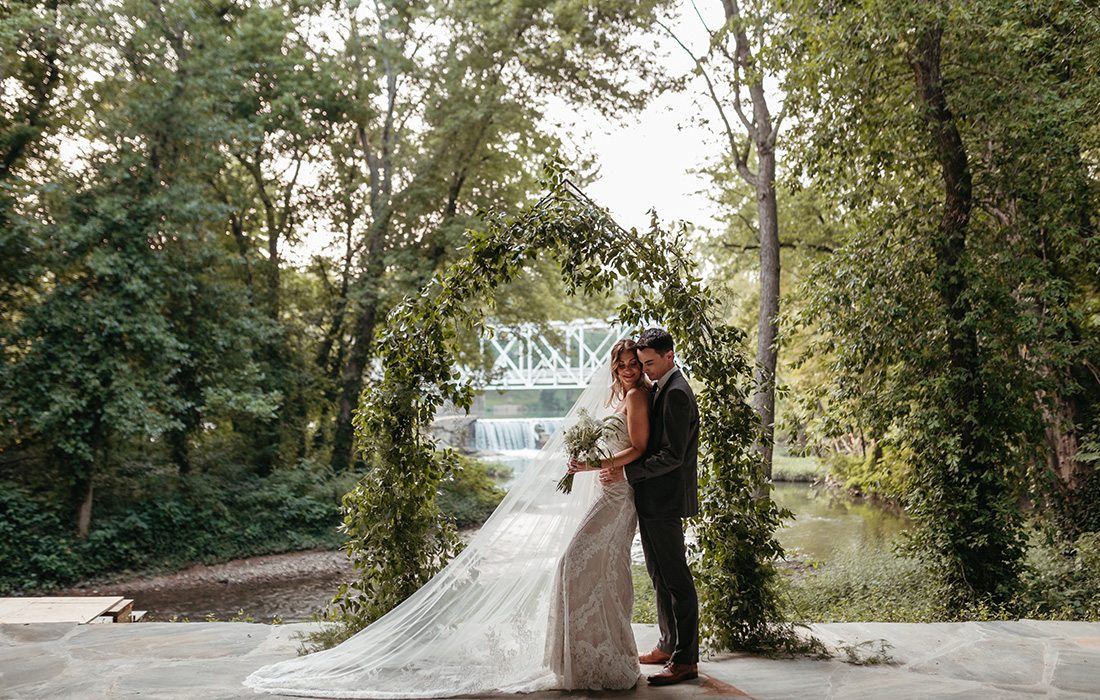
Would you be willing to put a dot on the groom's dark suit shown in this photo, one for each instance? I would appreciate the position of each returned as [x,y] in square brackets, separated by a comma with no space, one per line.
[665,485]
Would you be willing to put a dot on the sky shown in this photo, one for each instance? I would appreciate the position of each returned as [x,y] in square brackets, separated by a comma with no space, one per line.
[646,162]
[645,159]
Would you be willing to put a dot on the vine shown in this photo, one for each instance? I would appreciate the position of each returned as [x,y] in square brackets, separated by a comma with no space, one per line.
[397,538]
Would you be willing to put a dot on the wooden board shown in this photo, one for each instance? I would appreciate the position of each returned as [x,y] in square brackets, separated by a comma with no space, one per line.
[78,609]
[120,611]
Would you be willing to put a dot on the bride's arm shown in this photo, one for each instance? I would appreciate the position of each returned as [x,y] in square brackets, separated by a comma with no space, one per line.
[637,428]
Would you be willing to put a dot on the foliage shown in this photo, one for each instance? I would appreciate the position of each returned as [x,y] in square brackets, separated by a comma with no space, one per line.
[396,537]
[469,494]
[645,600]
[158,523]
[157,161]
[1076,511]
[1062,581]
[1058,582]
[952,315]
[883,473]
[787,467]
[860,586]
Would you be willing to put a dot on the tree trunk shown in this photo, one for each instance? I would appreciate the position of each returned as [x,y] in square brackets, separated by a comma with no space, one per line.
[179,451]
[978,556]
[80,500]
[362,341]
[767,354]
[1061,438]
[762,133]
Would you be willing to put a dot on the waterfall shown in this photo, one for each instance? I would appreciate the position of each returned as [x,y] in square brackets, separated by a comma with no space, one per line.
[510,434]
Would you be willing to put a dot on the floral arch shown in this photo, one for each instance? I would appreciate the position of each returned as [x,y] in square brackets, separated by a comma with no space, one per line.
[397,536]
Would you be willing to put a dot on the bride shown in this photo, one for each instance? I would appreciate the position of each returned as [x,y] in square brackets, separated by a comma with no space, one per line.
[539,599]
[590,644]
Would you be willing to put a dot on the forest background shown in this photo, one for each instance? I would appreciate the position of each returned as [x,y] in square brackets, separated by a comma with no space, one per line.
[908,197]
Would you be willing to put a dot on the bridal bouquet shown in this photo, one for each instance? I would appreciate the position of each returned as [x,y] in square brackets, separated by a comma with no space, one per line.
[582,442]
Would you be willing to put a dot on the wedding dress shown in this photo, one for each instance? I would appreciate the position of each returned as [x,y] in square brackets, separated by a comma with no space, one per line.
[481,625]
[590,644]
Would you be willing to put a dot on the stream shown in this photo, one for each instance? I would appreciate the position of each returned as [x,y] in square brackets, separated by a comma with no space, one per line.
[298,585]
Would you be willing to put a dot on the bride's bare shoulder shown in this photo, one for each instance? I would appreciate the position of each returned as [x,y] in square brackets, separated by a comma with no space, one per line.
[637,398]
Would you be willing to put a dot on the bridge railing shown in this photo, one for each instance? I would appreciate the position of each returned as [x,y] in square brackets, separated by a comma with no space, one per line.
[556,355]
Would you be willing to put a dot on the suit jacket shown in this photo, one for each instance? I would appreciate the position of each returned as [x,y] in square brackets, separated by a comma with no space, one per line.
[666,479]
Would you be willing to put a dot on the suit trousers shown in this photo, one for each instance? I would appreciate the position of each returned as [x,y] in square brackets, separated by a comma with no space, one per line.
[677,603]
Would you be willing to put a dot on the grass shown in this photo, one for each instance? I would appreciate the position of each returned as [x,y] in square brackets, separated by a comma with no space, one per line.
[645,600]
[787,467]
[861,586]
[1058,582]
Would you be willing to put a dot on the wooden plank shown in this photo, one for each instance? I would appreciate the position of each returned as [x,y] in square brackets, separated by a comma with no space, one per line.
[78,609]
[120,611]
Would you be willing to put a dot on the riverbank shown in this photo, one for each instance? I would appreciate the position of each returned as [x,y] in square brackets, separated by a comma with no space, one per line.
[275,587]
[1022,659]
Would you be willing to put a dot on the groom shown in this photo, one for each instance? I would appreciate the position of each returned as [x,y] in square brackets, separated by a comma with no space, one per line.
[665,491]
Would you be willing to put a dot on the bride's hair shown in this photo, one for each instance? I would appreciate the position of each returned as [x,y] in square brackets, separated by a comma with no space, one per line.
[618,391]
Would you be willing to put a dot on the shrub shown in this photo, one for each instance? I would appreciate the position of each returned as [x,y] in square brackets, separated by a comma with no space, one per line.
[470,494]
[861,586]
[167,522]
[882,473]
[1062,581]
[799,469]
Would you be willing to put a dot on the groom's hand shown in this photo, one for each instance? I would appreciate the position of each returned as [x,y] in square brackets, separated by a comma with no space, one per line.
[612,475]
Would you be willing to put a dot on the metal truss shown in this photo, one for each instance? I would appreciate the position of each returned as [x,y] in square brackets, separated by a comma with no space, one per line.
[564,356]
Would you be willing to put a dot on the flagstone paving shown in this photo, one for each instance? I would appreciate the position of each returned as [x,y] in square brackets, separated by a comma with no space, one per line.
[1024,659]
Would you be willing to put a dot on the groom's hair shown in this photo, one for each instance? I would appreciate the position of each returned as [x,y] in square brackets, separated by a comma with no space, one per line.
[655,339]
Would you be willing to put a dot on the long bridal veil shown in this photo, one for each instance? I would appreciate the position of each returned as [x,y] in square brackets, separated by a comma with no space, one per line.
[480,624]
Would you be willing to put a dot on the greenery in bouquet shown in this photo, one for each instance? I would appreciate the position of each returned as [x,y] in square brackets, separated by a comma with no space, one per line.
[584,442]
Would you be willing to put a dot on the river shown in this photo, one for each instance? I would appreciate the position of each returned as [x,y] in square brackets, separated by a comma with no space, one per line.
[298,585]
[829,523]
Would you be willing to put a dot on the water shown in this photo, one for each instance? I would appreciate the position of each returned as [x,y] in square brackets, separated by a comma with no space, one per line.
[296,585]
[512,442]
[828,523]
[512,434]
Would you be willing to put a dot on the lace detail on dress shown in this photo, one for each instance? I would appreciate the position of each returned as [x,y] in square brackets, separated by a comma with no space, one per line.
[590,644]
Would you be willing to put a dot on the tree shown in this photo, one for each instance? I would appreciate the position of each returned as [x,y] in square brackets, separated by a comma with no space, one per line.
[128,334]
[37,52]
[950,136]
[427,127]
[751,141]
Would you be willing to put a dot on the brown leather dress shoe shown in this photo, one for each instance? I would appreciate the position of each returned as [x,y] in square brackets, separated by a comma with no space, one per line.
[654,657]
[675,673]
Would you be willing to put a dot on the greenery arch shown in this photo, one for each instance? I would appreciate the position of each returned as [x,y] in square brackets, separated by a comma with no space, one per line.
[397,537]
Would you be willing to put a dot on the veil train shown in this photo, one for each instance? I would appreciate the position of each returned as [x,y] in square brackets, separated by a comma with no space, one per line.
[479,626]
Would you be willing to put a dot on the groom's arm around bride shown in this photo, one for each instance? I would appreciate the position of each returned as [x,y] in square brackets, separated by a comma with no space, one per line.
[665,483]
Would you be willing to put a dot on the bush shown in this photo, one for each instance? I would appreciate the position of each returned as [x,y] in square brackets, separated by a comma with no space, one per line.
[799,469]
[862,586]
[1062,581]
[883,473]
[155,522]
[470,494]
[1078,511]
[173,522]
[35,552]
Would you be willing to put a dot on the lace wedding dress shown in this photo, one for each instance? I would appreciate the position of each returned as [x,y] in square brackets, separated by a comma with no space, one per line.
[482,624]
[590,644]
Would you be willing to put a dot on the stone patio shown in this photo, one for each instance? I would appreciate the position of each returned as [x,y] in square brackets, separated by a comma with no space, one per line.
[1025,659]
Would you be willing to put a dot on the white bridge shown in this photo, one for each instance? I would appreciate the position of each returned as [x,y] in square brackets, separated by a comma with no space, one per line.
[556,355]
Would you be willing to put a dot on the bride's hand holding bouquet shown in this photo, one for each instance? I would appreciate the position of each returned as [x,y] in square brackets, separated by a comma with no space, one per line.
[584,444]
